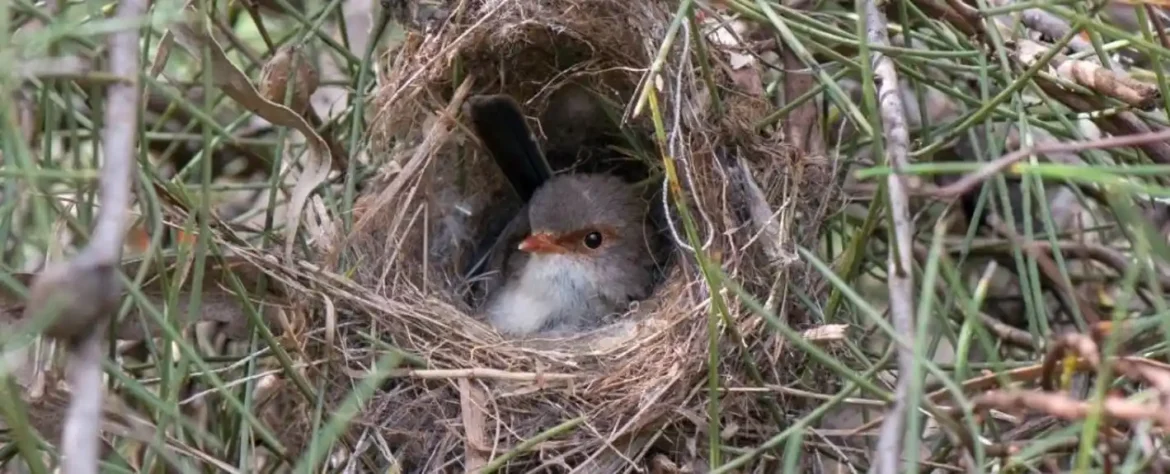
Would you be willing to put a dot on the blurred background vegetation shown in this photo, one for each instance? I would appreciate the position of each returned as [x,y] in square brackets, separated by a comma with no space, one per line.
[1037,331]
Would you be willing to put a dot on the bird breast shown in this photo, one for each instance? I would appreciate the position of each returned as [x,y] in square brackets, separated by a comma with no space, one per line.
[551,292]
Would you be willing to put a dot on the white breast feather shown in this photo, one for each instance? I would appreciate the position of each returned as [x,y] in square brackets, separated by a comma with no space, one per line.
[549,286]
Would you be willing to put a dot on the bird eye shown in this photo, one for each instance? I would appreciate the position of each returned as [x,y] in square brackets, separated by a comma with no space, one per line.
[593,240]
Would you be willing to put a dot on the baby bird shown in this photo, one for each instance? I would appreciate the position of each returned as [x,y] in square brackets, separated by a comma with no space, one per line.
[585,249]
[585,257]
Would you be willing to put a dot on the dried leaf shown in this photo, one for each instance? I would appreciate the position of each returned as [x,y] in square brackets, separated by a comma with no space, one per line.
[660,464]
[827,332]
[289,62]
[727,34]
[740,60]
[192,35]
[472,401]
[161,54]
[747,80]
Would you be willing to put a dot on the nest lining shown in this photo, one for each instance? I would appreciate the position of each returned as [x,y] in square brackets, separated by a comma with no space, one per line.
[414,233]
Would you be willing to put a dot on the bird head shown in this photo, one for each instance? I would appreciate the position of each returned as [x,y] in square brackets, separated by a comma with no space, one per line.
[587,218]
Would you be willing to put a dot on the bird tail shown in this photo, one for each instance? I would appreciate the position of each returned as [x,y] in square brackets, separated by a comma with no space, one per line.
[499,122]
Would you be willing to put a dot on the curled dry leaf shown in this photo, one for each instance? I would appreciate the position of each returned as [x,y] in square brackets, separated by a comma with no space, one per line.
[1093,76]
[1114,84]
[192,35]
[767,223]
[289,66]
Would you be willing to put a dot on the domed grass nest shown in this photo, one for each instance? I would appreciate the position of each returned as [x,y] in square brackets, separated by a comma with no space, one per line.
[601,401]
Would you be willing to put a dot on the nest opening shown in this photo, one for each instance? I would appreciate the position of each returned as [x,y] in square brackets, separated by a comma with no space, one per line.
[573,89]
[580,132]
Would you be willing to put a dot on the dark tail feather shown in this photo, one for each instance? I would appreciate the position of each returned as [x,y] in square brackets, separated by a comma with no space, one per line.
[499,122]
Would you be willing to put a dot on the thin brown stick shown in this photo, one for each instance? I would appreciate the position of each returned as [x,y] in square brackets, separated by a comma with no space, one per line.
[1159,28]
[1064,407]
[253,10]
[1050,271]
[481,373]
[997,328]
[1108,256]
[968,182]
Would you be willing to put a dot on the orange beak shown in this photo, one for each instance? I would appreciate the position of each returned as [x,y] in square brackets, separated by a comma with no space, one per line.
[541,243]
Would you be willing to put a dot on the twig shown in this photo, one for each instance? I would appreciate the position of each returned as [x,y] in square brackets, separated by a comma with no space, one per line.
[481,373]
[968,182]
[1159,28]
[1122,122]
[254,12]
[1064,407]
[1049,270]
[1092,76]
[81,436]
[899,269]
[472,401]
[1103,254]
[81,294]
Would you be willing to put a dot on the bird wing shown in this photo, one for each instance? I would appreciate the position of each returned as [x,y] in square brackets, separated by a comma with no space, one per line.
[499,122]
[501,259]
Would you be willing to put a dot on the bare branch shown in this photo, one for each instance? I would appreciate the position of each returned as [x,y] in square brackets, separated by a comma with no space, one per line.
[901,278]
[81,294]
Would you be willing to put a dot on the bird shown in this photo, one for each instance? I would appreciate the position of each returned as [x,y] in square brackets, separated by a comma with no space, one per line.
[580,249]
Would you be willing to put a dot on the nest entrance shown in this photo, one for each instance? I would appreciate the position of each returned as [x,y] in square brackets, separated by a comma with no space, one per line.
[580,132]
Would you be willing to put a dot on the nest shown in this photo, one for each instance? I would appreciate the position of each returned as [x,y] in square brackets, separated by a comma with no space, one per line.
[605,399]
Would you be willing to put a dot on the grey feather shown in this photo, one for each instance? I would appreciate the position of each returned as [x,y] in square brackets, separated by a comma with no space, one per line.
[573,292]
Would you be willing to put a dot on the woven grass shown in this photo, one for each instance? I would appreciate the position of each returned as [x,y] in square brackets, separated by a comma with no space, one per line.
[628,389]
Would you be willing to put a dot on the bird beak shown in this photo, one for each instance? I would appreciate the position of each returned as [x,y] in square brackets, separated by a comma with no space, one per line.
[541,243]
